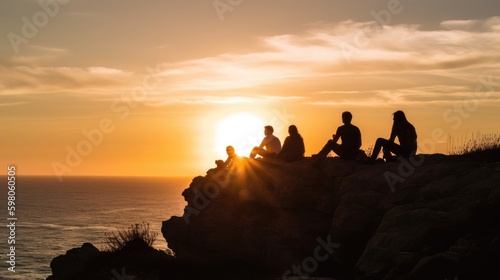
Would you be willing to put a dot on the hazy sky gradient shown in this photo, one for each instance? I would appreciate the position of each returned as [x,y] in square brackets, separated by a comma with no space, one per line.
[163,74]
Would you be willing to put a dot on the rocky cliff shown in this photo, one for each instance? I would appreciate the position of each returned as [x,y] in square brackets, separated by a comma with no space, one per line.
[429,217]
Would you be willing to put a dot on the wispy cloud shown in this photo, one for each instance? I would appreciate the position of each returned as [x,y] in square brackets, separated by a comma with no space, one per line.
[32,80]
[460,24]
[326,64]
[159,100]
[11,104]
[37,55]
[82,14]
[348,48]
[447,95]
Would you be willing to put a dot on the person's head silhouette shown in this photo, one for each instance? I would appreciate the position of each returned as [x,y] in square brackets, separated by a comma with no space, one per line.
[399,117]
[292,130]
[230,150]
[346,117]
[268,130]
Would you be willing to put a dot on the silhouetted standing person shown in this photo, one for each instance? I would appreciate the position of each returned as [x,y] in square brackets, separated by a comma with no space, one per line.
[351,140]
[270,145]
[293,147]
[407,137]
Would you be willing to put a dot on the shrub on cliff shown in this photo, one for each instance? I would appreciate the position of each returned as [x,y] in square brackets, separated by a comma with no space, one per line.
[117,240]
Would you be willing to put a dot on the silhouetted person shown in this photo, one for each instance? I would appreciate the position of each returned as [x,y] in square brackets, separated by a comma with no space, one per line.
[231,155]
[351,140]
[293,147]
[407,137]
[223,166]
[270,145]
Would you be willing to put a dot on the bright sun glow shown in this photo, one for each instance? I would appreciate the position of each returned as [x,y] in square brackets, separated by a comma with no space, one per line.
[243,131]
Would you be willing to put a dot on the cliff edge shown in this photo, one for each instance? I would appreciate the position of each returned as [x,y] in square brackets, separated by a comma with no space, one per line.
[429,217]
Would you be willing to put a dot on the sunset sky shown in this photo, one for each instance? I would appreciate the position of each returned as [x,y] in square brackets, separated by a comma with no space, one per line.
[160,87]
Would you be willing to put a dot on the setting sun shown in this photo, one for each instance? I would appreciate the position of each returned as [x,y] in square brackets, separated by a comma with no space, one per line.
[243,131]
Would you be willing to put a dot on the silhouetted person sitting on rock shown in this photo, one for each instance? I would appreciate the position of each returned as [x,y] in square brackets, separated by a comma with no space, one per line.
[270,145]
[351,140]
[231,155]
[407,137]
[293,147]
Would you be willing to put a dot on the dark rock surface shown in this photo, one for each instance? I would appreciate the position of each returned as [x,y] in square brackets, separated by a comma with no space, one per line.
[433,217]
[75,260]
[135,261]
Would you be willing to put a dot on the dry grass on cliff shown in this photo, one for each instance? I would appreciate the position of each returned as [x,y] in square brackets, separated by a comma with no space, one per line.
[117,240]
[486,146]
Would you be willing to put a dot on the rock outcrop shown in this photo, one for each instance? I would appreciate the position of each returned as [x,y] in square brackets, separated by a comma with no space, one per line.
[430,217]
[76,260]
[135,261]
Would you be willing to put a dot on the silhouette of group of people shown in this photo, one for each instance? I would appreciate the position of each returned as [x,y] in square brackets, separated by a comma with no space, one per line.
[349,148]
[350,137]
[293,148]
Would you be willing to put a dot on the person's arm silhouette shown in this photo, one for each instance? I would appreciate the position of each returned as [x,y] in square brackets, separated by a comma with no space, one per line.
[336,136]
[393,133]
[263,143]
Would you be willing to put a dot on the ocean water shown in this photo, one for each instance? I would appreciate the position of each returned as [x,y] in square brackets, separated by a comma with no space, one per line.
[54,217]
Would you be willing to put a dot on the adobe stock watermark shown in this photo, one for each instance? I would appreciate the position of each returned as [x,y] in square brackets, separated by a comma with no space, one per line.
[463,109]
[310,264]
[121,276]
[454,116]
[223,6]
[12,218]
[32,26]
[221,180]
[122,106]
[362,38]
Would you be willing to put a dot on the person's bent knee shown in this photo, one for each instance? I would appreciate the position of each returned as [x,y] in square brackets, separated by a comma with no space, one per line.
[254,152]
